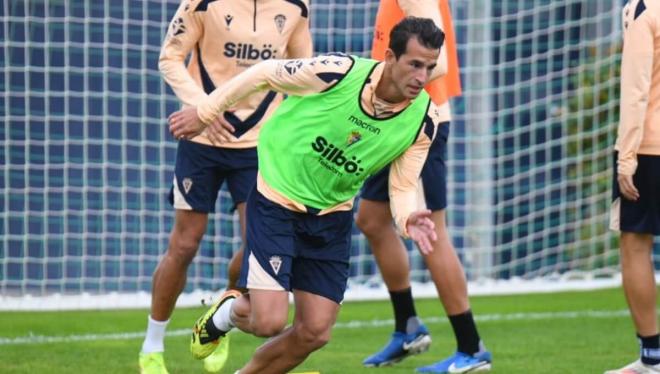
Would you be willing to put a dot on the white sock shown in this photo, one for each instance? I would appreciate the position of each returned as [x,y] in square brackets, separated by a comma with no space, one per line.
[154,340]
[222,318]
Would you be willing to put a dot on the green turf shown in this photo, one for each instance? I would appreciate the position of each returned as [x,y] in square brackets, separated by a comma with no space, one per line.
[551,342]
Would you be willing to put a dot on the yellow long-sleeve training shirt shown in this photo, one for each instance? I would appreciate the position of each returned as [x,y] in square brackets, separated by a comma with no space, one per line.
[639,126]
[224,38]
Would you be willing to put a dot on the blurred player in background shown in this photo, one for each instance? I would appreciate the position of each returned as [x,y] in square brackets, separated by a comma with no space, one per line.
[344,119]
[636,188]
[223,39]
[375,220]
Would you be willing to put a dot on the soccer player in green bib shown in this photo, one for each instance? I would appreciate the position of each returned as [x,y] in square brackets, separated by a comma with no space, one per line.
[345,118]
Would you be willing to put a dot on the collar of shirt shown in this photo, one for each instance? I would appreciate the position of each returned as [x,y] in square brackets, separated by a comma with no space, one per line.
[376,106]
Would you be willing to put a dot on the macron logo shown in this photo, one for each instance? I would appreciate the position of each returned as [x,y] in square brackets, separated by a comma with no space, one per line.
[365,125]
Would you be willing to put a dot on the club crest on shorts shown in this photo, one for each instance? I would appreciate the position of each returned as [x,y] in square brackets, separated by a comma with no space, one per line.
[275,263]
[187,184]
[280,20]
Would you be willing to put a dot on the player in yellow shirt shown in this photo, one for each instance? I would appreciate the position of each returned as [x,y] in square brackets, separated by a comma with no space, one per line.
[636,188]
[222,39]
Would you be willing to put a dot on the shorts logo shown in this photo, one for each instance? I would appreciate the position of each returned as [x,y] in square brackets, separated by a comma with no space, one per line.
[280,20]
[275,263]
[187,184]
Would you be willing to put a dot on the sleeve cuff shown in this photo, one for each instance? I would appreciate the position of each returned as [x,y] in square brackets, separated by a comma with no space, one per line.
[626,167]
[204,113]
[401,228]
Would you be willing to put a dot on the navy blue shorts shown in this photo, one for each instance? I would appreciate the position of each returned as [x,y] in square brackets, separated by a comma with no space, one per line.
[434,175]
[287,250]
[641,216]
[201,169]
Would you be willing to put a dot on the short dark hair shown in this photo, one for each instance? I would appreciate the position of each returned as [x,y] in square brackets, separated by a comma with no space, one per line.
[426,32]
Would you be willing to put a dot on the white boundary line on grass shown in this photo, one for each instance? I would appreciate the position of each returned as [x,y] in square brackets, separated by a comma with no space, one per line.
[571,281]
[40,339]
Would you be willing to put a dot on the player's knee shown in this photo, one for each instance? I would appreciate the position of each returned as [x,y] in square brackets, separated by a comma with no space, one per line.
[267,326]
[368,224]
[183,248]
[313,337]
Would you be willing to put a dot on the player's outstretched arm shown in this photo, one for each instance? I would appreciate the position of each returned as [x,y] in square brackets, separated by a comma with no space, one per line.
[190,122]
[292,77]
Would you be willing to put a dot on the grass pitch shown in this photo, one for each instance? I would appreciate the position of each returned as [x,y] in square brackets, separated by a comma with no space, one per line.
[571,332]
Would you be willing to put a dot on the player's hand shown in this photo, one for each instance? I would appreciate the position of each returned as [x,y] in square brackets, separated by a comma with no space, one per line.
[185,124]
[627,187]
[422,230]
[220,131]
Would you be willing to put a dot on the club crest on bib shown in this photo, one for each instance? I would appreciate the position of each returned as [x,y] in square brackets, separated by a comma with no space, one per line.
[275,263]
[353,138]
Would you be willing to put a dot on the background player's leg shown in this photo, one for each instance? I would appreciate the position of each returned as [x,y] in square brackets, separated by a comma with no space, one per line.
[446,269]
[240,181]
[217,360]
[193,195]
[375,221]
[639,286]
[169,278]
[639,280]
[237,258]
[637,222]
[449,279]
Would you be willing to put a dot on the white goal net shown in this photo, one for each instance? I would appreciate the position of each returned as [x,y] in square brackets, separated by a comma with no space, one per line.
[87,160]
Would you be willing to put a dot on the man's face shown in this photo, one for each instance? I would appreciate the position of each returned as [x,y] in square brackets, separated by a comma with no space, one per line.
[412,70]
